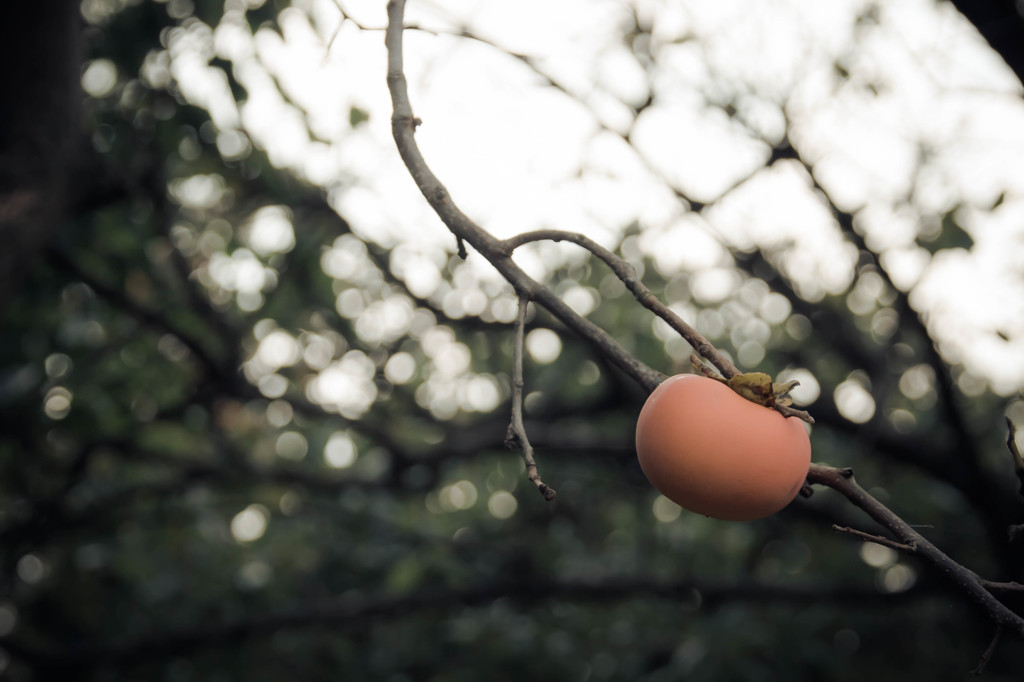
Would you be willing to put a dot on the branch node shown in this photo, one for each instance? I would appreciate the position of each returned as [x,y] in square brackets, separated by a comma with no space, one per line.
[405,121]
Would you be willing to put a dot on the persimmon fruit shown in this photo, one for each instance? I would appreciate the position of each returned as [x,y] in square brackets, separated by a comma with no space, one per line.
[713,452]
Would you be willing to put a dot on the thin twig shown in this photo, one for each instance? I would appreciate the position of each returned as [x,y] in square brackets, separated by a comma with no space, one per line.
[345,16]
[516,434]
[987,656]
[1018,461]
[877,539]
[628,275]
[993,586]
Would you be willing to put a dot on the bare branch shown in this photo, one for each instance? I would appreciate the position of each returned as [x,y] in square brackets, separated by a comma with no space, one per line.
[992,586]
[1018,461]
[627,273]
[498,253]
[985,657]
[841,480]
[403,127]
[516,434]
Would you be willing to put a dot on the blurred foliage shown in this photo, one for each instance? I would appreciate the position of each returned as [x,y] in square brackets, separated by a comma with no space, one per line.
[176,505]
[949,234]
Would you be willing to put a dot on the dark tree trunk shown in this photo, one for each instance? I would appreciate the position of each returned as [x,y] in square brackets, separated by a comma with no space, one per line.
[1001,23]
[39,128]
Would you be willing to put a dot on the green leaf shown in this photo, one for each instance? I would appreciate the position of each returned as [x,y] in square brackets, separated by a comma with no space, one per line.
[357,116]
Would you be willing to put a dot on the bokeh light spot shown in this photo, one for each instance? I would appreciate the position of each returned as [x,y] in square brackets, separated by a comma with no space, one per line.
[502,504]
[854,402]
[809,389]
[8,619]
[254,574]
[272,385]
[458,496]
[898,578]
[876,555]
[291,445]
[57,365]
[340,451]
[543,345]
[665,510]
[917,382]
[99,77]
[400,368]
[270,231]
[31,569]
[279,413]
[57,404]
[250,524]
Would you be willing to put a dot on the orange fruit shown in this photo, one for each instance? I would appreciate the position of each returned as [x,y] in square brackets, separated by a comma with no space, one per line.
[715,453]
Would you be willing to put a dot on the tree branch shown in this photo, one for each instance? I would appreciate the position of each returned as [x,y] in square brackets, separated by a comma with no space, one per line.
[985,657]
[498,253]
[877,539]
[842,481]
[152,319]
[516,434]
[627,274]
[403,127]
[1018,461]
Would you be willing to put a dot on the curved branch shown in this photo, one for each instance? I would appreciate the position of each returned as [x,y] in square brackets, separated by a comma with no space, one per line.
[403,127]
[627,273]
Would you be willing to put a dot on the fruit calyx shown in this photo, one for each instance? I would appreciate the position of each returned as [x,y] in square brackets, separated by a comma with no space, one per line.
[757,387]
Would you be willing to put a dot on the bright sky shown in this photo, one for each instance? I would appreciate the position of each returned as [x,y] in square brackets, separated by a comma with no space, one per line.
[929,120]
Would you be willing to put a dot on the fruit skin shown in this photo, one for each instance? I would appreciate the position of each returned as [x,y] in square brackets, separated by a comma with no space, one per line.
[711,451]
